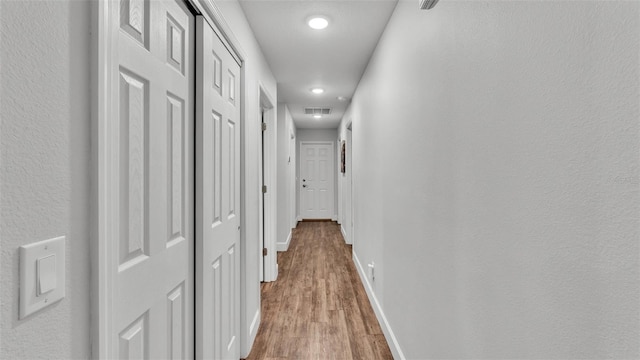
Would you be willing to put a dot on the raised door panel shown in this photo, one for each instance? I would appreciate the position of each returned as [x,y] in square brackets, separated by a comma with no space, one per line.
[134,340]
[134,20]
[176,169]
[134,105]
[215,143]
[177,341]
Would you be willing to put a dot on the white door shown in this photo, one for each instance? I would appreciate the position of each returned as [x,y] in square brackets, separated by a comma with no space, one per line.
[153,281]
[218,200]
[316,180]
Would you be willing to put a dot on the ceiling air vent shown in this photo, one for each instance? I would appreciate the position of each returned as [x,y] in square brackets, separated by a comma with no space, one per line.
[317,111]
[427,4]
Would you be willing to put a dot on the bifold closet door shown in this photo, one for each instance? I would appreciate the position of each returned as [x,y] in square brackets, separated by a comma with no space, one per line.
[153,312]
[218,186]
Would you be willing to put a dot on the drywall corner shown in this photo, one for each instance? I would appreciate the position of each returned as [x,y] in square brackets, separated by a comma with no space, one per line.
[284,246]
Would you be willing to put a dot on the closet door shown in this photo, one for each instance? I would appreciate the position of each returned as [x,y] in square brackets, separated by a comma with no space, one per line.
[218,186]
[153,266]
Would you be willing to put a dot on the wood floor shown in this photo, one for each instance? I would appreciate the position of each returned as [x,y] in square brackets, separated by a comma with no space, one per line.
[318,308]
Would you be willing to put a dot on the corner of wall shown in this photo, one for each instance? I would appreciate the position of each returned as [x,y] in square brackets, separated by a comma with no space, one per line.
[284,246]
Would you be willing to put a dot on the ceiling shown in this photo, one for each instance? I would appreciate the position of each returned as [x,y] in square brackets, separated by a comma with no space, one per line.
[302,58]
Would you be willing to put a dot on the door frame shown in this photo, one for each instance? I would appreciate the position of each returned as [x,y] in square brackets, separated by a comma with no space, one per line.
[331,144]
[104,56]
[349,141]
[267,207]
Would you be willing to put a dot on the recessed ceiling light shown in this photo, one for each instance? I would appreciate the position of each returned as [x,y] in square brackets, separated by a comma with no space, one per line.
[317,90]
[317,116]
[341,98]
[318,22]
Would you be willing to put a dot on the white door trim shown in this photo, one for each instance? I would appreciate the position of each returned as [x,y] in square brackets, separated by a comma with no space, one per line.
[104,140]
[269,262]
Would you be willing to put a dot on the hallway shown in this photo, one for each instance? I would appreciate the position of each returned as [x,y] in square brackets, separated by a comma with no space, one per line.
[157,157]
[318,308]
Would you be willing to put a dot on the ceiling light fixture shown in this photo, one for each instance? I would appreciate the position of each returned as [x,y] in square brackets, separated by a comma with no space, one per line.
[318,22]
[317,90]
[317,116]
[342,98]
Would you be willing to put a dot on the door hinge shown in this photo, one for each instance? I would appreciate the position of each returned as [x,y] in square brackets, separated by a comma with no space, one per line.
[264,251]
[264,126]
[264,189]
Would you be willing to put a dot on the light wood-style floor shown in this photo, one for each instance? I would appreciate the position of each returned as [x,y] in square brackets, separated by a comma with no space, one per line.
[318,308]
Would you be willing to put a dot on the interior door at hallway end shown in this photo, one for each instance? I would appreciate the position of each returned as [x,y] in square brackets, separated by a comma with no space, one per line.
[151,276]
[218,200]
[317,176]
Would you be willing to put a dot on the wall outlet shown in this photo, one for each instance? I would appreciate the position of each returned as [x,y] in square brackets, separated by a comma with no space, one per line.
[372,268]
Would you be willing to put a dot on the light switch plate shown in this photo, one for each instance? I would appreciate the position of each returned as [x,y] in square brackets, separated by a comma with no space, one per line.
[42,276]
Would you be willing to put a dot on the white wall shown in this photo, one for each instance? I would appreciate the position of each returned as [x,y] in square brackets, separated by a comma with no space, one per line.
[286,172]
[316,135]
[45,173]
[257,72]
[497,181]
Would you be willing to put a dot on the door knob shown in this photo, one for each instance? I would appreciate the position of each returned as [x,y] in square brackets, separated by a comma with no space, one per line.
[303,180]
[303,185]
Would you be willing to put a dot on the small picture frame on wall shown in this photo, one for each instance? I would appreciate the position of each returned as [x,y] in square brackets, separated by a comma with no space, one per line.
[343,157]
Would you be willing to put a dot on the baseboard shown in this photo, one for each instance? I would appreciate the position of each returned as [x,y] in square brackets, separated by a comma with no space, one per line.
[253,329]
[284,246]
[377,308]
[344,234]
[334,218]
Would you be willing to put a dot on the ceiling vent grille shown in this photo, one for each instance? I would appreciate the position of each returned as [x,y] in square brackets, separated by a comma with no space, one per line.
[427,4]
[317,111]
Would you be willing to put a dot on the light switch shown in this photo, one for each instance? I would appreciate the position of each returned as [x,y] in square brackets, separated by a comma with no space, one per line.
[42,275]
[46,274]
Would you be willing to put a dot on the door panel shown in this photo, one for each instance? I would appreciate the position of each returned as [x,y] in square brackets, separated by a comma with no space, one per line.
[153,282]
[317,180]
[217,182]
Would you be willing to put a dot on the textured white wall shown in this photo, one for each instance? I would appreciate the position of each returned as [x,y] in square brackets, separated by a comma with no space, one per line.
[316,135]
[257,72]
[44,178]
[497,178]
[286,164]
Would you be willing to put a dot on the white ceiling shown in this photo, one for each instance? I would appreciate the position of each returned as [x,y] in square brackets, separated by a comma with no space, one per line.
[302,58]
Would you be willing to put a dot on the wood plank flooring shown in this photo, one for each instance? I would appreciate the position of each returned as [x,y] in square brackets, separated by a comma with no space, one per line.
[318,308]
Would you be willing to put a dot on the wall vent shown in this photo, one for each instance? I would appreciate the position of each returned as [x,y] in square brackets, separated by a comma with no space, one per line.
[427,4]
[317,111]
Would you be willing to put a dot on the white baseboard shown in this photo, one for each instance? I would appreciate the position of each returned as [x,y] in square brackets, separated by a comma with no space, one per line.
[344,234]
[284,246]
[299,217]
[334,218]
[253,329]
[377,308]
[245,349]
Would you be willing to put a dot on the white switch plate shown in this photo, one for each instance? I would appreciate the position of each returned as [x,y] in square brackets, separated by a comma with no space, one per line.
[42,267]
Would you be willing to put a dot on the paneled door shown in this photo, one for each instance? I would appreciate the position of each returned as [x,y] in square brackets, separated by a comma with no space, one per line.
[218,201]
[317,175]
[153,267]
